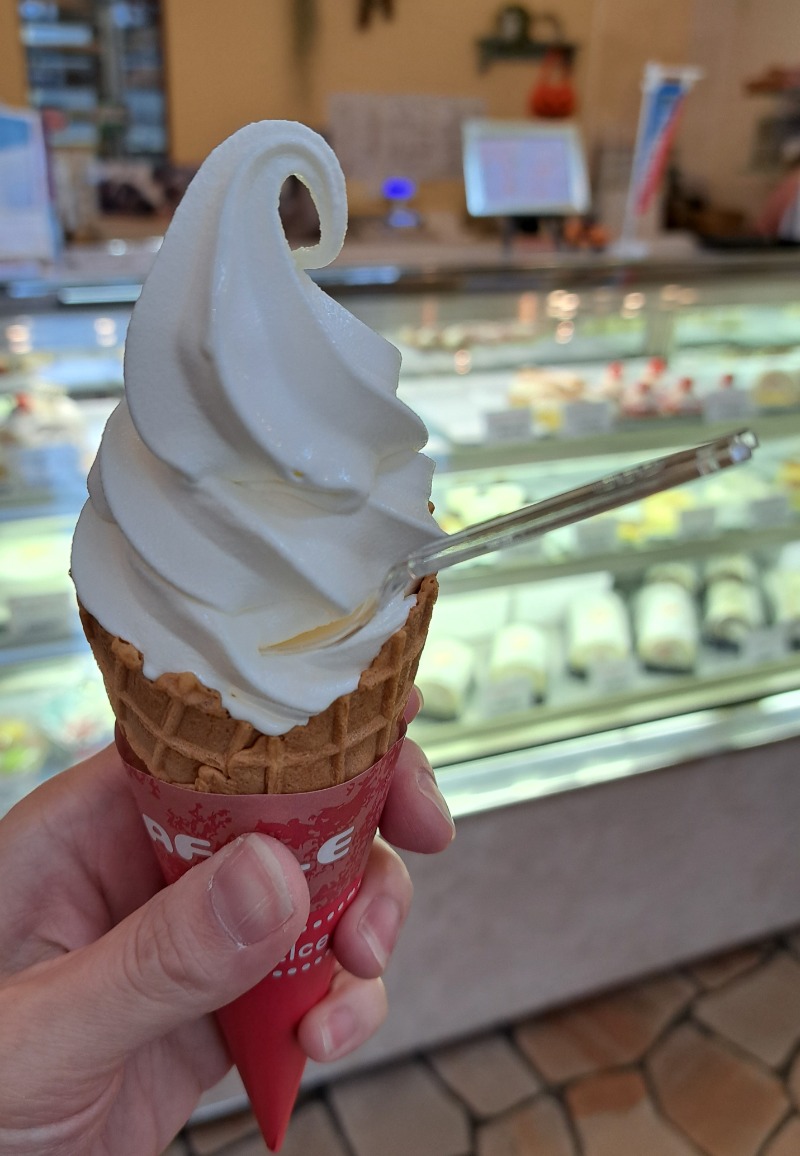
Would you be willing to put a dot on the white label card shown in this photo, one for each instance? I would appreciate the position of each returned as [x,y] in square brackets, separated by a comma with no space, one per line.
[699,522]
[50,467]
[42,616]
[530,551]
[584,418]
[728,405]
[509,425]
[767,644]
[771,511]
[611,675]
[506,696]
[597,536]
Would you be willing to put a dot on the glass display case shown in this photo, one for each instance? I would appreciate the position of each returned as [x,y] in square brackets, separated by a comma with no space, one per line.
[99,65]
[638,639]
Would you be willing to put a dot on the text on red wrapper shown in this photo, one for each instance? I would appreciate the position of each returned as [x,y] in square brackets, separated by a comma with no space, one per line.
[187,847]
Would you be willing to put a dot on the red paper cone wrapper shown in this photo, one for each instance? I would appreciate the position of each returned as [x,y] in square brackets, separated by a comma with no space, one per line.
[330,832]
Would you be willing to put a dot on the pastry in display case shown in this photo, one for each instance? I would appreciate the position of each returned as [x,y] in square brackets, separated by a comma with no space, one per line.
[666,626]
[531,383]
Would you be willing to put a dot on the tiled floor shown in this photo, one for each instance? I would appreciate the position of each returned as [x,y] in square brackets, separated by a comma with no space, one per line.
[703,1061]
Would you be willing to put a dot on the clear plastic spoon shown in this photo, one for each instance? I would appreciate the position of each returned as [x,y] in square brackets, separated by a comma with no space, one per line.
[598,497]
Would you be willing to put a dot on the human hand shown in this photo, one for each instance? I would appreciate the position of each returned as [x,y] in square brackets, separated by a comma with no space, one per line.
[107,980]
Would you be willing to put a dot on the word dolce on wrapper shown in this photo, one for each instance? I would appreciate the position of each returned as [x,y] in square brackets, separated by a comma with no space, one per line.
[311,945]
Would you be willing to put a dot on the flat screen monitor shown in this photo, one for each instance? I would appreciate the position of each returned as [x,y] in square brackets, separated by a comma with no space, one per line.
[524,168]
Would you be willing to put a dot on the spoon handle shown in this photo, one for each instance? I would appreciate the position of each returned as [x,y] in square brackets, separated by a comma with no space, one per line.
[608,493]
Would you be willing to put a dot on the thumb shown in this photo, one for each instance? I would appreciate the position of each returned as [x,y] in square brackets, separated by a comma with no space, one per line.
[195,946]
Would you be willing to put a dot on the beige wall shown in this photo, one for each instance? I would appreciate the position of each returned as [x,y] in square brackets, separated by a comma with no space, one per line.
[734,41]
[232,63]
[12,60]
[226,65]
[623,36]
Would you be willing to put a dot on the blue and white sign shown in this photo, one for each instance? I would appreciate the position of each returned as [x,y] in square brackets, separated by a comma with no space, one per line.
[27,229]
[664,92]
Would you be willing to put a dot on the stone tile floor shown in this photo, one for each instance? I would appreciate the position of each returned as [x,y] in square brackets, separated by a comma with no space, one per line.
[702,1061]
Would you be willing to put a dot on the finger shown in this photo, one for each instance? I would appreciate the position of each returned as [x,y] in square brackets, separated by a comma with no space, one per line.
[416,817]
[351,1012]
[413,706]
[368,930]
[195,946]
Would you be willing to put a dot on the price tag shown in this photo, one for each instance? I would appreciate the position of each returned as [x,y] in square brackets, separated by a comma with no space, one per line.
[583,418]
[509,425]
[49,467]
[728,405]
[771,511]
[40,616]
[698,522]
[530,551]
[766,644]
[597,536]
[611,675]
[506,696]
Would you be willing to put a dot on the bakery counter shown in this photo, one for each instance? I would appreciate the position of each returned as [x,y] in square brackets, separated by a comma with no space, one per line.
[584,713]
[533,376]
[460,262]
[687,600]
[612,712]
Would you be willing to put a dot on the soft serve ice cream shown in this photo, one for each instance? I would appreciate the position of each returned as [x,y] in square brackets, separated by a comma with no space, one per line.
[261,474]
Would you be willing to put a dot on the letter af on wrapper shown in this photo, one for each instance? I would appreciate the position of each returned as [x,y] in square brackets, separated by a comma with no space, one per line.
[330,832]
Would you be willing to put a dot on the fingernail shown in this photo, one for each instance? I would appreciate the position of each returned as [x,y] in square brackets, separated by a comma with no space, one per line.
[379,926]
[427,786]
[249,893]
[337,1032]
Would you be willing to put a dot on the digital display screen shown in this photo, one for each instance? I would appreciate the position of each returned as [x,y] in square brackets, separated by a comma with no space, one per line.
[539,169]
[523,168]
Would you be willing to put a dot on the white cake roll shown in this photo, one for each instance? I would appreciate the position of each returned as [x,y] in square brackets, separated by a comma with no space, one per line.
[521,651]
[739,566]
[666,627]
[732,610]
[598,630]
[445,677]
[783,593]
[683,573]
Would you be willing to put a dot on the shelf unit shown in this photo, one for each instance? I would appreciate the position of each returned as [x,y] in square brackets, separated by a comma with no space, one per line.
[99,64]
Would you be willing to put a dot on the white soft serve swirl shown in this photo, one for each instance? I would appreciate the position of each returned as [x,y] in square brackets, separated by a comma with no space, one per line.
[261,475]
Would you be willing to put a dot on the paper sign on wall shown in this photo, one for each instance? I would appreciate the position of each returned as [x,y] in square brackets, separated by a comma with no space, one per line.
[378,135]
[26,220]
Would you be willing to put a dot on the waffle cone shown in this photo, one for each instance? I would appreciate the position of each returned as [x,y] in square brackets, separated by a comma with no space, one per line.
[183,734]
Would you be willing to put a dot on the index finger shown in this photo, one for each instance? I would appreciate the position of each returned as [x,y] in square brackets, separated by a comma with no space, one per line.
[413,706]
[416,816]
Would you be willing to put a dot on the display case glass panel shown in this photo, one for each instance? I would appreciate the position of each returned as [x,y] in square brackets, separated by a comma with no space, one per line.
[530,382]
